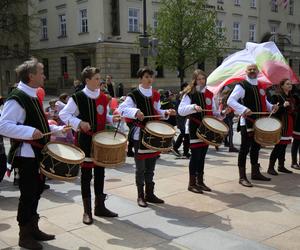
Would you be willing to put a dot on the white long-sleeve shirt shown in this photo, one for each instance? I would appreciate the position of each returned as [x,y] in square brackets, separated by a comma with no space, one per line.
[186,107]
[129,109]
[237,94]
[70,112]
[12,119]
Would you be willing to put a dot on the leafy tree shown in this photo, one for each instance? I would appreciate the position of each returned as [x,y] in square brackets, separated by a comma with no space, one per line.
[187,34]
[14,29]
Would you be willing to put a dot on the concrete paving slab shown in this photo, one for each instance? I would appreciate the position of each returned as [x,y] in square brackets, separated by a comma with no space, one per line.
[191,205]
[162,223]
[114,234]
[123,207]
[167,245]
[288,240]
[212,239]
[68,217]
[69,241]
[244,224]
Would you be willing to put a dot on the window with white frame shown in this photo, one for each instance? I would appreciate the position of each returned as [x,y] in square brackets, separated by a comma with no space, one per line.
[133,20]
[274,30]
[252,32]
[44,29]
[236,31]
[237,2]
[290,29]
[62,25]
[274,6]
[155,21]
[253,3]
[220,26]
[83,21]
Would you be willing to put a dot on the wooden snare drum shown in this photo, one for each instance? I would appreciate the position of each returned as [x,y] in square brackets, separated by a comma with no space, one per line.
[158,136]
[109,151]
[267,131]
[61,161]
[212,131]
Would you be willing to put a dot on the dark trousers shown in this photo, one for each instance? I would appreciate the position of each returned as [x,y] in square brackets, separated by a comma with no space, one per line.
[197,160]
[86,177]
[31,185]
[144,172]
[186,141]
[295,149]
[278,152]
[248,143]
[229,122]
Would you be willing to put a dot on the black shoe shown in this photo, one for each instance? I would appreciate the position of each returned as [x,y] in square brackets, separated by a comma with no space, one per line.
[295,166]
[272,171]
[195,189]
[188,155]
[130,154]
[176,152]
[283,169]
[233,149]
[46,186]
[153,199]
[141,202]
[217,148]
[245,183]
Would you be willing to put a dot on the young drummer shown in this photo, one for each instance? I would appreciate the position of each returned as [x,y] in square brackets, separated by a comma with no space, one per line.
[285,114]
[196,98]
[143,101]
[86,112]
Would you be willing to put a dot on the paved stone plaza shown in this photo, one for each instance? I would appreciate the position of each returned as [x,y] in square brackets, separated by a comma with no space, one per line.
[266,216]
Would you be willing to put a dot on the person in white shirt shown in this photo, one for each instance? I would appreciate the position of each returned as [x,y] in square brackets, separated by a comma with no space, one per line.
[249,96]
[196,98]
[86,112]
[140,102]
[23,120]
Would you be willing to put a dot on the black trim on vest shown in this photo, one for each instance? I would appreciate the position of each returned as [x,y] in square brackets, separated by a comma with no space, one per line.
[35,117]
[144,104]
[87,113]
[251,100]
[199,99]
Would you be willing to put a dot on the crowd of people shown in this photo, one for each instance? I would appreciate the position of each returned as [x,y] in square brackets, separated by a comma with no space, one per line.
[94,104]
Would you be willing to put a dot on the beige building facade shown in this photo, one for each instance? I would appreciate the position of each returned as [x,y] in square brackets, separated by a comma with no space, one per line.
[104,33]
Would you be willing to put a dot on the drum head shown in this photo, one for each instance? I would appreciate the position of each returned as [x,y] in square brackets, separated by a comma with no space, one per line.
[65,151]
[107,138]
[214,124]
[160,128]
[268,124]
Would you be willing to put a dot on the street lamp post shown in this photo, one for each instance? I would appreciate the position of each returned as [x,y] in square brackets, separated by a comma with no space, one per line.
[145,28]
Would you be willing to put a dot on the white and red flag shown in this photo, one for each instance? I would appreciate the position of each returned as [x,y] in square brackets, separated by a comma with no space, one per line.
[271,63]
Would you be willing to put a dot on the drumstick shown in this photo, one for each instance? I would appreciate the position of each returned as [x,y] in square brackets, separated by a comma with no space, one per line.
[272,111]
[260,113]
[118,127]
[53,132]
[153,116]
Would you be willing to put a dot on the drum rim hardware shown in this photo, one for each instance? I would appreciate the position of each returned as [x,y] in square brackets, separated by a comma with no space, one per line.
[112,146]
[59,158]
[158,134]
[54,176]
[264,143]
[214,129]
